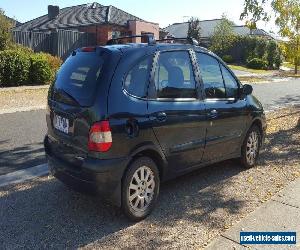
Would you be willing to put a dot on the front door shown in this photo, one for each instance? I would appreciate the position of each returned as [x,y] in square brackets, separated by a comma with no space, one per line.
[177,115]
[226,112]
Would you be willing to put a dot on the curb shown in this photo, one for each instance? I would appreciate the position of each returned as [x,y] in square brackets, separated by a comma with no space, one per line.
[23,88]
[21,109]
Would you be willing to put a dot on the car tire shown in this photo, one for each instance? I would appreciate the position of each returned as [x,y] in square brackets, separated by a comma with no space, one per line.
[140,188]
[251,146]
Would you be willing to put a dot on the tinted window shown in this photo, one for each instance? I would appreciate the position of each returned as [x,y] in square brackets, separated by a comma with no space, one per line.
[78,77]
[174,76]
[211,76]
[137,78]
[230,83]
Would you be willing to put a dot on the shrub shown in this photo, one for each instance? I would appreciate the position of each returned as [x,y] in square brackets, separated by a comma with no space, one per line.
[21,66]
[5,31]
[228,59]
[260,48]
[19,47]
[14,68]
[257,63]
[55,63]
[40,69]
[278,60]
[274,55]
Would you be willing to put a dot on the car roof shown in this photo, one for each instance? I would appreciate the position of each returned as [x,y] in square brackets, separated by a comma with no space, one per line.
[164,46]
[123,48]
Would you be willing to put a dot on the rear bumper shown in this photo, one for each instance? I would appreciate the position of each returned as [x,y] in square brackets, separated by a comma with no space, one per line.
[93,175]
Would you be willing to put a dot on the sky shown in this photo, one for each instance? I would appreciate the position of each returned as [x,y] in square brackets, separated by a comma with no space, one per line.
[164,12]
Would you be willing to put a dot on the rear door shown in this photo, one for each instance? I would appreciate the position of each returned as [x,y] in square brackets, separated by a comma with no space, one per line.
[177,115]
[226,112]
[74,103]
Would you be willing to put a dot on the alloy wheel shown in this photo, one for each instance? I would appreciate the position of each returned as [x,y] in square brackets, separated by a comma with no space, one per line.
[141,189]
[252,147]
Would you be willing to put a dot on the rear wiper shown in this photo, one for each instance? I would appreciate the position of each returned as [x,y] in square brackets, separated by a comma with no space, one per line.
[61,95]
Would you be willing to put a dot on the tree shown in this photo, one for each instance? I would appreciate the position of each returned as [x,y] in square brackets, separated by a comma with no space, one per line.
[287,18]
[288,21]
[254,11]
[223,36]
[5,31]
[273,55]
[194,30]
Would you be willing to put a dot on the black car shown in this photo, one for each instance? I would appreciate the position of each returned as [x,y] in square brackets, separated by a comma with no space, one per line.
[122,118]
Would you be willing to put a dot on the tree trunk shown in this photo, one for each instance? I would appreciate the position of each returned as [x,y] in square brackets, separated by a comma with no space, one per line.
[297,56]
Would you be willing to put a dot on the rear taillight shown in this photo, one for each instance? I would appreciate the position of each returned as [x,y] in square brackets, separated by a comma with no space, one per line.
[100,139]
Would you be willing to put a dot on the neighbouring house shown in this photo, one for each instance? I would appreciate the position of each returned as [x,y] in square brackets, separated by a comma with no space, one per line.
[179,30]
[104,22]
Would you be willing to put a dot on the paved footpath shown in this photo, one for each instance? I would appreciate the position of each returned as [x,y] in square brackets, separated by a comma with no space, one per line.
[281,213]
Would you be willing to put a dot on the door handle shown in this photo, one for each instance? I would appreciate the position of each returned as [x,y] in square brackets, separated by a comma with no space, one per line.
[161,117]
[213,114]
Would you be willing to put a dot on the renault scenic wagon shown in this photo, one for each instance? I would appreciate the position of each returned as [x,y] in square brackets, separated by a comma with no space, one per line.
[122,118]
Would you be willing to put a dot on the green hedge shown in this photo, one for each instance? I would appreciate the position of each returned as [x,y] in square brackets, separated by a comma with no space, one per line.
[23,67]
[257,63]
[40,69]
[227,59]
[14,68]
[246,48]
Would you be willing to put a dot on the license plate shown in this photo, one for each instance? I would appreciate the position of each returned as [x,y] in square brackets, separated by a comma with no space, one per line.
[61,123]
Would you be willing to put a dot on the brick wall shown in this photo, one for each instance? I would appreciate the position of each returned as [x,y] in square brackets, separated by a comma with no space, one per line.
[104,32]
[140,27]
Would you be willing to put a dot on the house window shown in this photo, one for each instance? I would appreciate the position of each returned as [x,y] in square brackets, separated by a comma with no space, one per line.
[144,39]
[115,34]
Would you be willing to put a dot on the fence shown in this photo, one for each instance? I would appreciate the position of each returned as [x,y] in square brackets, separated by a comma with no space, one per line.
[59,43]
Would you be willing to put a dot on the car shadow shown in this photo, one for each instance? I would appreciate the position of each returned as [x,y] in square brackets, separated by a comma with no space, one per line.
[287,100]
[21,157]
[74,220]
[45,214]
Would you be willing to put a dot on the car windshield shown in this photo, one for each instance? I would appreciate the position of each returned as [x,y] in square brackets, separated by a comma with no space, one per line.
[78,77]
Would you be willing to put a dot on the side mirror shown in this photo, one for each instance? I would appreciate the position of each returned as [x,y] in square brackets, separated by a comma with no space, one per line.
[247,90]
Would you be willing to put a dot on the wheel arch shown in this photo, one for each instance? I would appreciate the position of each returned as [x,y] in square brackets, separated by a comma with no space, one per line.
[255,122]
[153,153]
[258,122]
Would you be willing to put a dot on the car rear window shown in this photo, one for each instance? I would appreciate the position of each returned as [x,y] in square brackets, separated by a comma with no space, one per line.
[78,77]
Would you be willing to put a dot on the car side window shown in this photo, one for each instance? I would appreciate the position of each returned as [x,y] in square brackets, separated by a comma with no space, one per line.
[174,77]
[211,76]
[137,78]
[231,84]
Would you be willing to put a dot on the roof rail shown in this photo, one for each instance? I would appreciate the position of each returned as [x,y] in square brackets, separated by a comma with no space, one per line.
[150,39]
[190,40]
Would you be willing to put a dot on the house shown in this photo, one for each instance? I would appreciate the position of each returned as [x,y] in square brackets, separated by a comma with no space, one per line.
[104,22]
[179,30]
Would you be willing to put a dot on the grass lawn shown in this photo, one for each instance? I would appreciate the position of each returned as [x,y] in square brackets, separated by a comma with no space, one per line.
[288,65]
[251,79]
[243,68]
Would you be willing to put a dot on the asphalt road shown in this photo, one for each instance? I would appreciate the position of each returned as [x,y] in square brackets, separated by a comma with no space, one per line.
[21,140]
[278,94]
[22,133]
